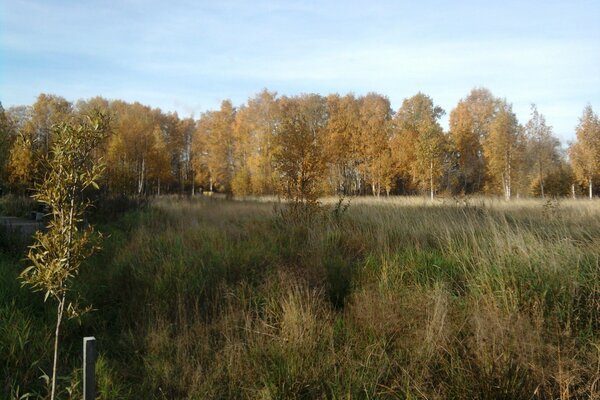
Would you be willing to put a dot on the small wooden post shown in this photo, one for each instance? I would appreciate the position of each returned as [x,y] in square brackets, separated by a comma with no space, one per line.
[89,368]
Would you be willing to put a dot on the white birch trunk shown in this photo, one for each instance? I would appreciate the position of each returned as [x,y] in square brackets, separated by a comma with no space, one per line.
[141,177]
[431,180]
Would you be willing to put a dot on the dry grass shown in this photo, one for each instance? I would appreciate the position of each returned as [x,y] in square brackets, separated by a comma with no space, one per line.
[395,298]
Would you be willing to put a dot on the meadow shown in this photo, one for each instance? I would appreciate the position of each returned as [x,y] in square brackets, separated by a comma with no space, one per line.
[399,298]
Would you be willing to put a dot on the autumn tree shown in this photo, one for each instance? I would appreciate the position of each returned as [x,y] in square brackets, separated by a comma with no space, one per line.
[159,165]
[200,152]
[428,165]
[136,145]
[91,105]
[419,141]
[215,140]
[22,162]
[341,142]
[470,124]
[35,137]
[245,153]
[254,130]
[387,171]
[466,148]
[542,149]
[558,181]
[585,152]
[47,111]
[7,136]
[503,148]
[149,147]
[298,151]
[366,147]
[403,146]
[182,154]
[373,141]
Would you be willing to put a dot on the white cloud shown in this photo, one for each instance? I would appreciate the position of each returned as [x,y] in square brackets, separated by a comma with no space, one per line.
[189,55]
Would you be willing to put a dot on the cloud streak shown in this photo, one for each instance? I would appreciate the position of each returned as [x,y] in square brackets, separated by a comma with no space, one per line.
[186,56]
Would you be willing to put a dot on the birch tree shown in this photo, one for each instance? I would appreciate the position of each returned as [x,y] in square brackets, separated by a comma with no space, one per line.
[254,131]
[130,147]
[470,124]
[421,142]
[375,129]
[298,152]
[542,148]
[215,142]
[585,152]
[341,141]
[503,150]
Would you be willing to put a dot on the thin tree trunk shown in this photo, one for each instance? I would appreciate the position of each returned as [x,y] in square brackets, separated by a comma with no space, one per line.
[591,189]
[61,303]
[542,182]
[573,190]
[431,179]
[60,309]
[141,177]
[508,180]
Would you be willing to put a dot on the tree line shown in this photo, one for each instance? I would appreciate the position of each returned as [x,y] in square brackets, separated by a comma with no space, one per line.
[311,145]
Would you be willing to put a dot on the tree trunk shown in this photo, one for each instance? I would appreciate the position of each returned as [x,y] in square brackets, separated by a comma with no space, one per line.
[591,188]
[431,180]
[141,177]
[573,190]
[542,182]
[61,301]
[59,314]
[508,180]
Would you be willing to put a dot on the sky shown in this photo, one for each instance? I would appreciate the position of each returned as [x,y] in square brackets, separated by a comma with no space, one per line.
[188,56]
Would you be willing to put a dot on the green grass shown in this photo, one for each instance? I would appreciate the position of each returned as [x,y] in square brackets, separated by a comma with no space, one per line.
[16,206]
[394,299]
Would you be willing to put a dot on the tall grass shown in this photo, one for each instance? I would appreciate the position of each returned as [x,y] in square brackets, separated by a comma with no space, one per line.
[16,206]
[398,298]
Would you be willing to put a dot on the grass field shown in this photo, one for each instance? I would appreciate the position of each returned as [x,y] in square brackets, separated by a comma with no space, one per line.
[389,299]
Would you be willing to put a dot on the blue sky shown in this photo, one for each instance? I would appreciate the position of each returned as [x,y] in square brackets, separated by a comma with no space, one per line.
[187,56]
